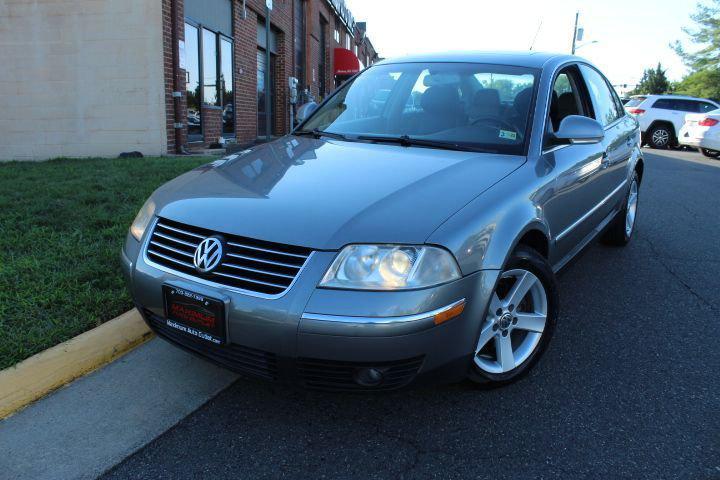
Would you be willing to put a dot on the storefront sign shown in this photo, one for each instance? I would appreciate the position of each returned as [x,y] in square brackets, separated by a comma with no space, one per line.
[344,13]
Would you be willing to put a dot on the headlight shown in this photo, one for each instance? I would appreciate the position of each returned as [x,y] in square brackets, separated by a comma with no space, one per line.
[387,267]
[142,220]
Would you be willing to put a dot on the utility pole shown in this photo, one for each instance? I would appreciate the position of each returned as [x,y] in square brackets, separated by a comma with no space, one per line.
[268,126]
[577,15]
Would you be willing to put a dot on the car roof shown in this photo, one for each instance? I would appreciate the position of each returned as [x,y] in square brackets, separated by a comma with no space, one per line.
[530,59]
[670,95]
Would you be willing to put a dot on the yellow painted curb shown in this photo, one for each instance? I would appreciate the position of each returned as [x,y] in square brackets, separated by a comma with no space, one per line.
[40,374]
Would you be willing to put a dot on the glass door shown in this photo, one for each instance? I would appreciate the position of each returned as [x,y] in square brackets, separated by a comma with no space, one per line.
[192,83]
[226,86]
[263,90]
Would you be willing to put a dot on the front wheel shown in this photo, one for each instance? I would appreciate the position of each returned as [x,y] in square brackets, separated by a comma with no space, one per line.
[710,153]
[519,322]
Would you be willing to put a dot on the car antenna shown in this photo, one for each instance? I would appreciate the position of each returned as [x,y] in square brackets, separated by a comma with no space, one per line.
[536,35]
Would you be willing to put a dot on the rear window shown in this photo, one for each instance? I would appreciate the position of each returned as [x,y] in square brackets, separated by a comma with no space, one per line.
[635,101]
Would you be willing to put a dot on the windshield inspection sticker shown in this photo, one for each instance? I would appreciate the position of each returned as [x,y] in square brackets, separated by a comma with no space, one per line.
[508,134]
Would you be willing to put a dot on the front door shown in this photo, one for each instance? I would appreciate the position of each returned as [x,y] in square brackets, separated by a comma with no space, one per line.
[571,210]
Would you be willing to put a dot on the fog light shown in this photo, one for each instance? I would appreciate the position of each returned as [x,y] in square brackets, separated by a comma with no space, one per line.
[368,377]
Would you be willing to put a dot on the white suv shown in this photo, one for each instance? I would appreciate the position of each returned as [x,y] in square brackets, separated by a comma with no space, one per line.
[662,116]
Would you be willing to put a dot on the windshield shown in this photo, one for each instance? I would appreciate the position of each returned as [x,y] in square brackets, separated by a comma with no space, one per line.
[462,104]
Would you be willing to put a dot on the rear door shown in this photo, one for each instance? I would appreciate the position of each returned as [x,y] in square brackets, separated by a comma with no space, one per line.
[621,138]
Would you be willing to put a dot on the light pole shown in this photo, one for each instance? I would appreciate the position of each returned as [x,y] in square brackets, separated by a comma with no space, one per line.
[575,31]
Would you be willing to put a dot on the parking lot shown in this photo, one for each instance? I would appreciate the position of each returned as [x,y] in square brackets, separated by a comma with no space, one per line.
[628,389]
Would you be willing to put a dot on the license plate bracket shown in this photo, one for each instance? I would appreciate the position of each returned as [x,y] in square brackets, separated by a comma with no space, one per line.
[195,314]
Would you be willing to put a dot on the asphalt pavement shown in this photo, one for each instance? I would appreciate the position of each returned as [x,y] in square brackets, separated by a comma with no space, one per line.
[629,388]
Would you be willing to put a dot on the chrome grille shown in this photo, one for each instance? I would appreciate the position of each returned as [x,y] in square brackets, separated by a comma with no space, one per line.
[249,264]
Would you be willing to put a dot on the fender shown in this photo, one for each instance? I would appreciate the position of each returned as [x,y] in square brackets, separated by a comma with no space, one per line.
[479,234]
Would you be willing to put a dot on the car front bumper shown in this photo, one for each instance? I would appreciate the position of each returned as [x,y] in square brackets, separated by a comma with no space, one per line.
[328,339]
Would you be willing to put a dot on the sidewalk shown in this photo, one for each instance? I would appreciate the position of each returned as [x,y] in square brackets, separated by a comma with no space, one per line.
[92,424]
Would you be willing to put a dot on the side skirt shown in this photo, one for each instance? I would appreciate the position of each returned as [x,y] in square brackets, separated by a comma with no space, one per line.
[595,233]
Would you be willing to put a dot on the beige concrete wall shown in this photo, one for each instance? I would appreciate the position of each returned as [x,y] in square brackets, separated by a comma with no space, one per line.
[81,78]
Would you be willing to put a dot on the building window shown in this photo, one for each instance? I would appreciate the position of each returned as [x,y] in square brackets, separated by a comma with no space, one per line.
[209,77]
[263,90]
[192,85]
[209,63]
[336,34]
[348,40]
[322,73]
[226,86]
[300,42]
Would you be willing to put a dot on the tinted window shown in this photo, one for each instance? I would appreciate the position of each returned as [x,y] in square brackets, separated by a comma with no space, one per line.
[664,104]
[706,107]
[473,105]
[635,101]
[606,109]
[687,105]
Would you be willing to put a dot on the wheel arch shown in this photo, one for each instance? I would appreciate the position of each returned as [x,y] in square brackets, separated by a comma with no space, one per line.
[667,123]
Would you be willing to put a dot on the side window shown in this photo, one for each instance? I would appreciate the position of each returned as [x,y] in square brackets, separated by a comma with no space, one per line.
[706,107]
[663,104]
[566,98]
[687,105]
[606,110]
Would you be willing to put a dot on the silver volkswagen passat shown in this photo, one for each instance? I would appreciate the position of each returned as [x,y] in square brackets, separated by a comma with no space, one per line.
[409,229]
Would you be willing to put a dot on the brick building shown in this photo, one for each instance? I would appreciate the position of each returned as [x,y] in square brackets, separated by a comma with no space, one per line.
[96,78]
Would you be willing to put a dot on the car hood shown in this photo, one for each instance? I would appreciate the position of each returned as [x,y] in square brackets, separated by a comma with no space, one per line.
[325,194]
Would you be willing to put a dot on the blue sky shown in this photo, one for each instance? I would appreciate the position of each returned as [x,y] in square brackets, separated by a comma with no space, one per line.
[631,34]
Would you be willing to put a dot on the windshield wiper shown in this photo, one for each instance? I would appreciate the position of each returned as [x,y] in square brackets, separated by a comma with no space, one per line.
[320,133]
[407,141]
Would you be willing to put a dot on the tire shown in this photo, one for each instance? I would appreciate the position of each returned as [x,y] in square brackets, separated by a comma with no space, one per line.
[710,153]
[519,326]
[622,227]
[661,136]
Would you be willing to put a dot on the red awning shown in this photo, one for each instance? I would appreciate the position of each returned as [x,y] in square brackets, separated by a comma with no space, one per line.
[346,63]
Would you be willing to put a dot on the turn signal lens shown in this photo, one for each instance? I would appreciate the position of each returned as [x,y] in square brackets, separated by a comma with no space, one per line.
[450,313]
[142,220]
[708,122]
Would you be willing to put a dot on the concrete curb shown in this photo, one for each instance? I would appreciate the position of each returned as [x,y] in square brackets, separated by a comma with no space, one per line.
[40,374]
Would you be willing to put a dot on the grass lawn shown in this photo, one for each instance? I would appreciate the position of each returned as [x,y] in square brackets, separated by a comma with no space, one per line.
[62,224]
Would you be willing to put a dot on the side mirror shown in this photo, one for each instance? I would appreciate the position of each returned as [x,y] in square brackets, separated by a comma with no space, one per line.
[576,129]
[304,111]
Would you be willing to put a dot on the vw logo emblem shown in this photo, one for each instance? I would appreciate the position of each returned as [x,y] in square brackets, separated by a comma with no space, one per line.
[208,254]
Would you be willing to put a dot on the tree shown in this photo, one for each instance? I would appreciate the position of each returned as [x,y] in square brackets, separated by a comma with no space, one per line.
[654,81]
[706,34]
[703,84]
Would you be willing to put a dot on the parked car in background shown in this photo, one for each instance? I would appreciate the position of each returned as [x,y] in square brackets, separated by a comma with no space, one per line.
[702,130]
[662,116]
[409,229]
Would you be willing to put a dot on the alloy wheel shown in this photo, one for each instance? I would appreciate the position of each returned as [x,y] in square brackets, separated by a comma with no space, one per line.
[514,323]
[631,208]
[661,137]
